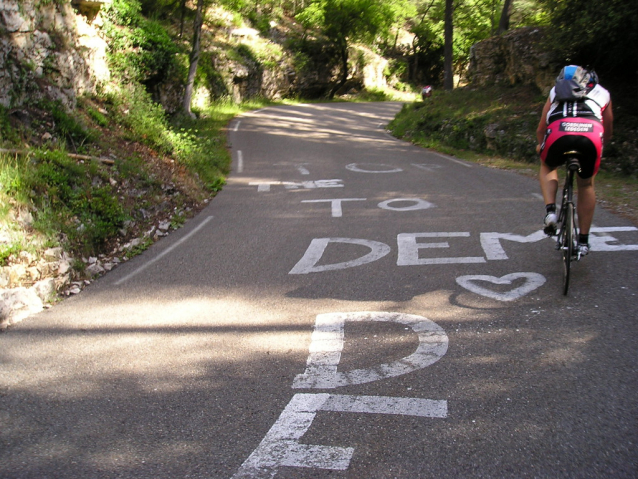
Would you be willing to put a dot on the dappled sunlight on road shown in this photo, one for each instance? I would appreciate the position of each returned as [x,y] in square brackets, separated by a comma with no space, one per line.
[292,122]
[162,346]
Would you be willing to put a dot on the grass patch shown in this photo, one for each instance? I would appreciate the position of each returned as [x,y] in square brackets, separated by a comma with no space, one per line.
[71,202]
[491,120]
[164,167]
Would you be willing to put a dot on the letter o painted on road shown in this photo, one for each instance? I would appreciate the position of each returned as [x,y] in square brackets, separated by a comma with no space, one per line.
[419,204]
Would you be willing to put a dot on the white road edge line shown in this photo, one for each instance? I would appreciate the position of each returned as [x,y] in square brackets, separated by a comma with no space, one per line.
[163,253]
[451,159]
[240,162]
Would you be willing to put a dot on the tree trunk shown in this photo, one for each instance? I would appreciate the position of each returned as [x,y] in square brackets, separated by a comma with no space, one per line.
[182,14]
[194,58]
[414,74]
[344,71]
[448,79]
[504,23]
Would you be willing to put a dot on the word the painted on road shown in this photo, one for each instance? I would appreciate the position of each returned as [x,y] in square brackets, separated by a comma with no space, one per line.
[264,186]
[281,446]
[366,168]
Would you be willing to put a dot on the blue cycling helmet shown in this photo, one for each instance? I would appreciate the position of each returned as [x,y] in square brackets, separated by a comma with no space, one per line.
[579,74]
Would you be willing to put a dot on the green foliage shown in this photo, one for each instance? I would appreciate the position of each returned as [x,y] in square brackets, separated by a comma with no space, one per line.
[474,20]
[68,198]
[7,132]
[526,13]
[11,180]
[192,143]
[145,119]
[208,76]
[598,33]
[344,21]
[140,50]
[140,248]
[197,145]
[123,12]
[499,121]
[6,250]
[261,12]
[98,117]
[162,9]
[373,94]
[67,125]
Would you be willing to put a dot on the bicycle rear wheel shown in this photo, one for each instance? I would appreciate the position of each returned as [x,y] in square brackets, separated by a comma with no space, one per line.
[567,245]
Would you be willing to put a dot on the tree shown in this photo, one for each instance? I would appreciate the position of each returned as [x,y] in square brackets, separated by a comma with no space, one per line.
[472,21]
[504,23]
[194,58]
[599,34]
[343,22]
[448,79]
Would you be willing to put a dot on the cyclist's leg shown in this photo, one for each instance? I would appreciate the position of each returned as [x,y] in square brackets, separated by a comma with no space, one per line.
[551,159]
[589,163]
[586,203]
[548,179]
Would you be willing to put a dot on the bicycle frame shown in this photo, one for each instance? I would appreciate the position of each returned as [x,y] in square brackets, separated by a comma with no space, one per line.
[568,234]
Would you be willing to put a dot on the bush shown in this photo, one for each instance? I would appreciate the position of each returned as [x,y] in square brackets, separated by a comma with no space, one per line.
[143,51]
[7,132]
[145,119]
[67,196]
[485,121]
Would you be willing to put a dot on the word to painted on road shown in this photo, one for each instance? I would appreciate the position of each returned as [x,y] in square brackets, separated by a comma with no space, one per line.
[281,446]
[414,204]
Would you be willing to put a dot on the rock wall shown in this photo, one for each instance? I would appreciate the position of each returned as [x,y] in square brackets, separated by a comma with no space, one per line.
[517,57]
[47,50]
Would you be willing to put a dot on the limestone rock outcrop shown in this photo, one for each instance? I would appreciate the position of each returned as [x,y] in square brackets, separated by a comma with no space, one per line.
[517,57]
[47,49]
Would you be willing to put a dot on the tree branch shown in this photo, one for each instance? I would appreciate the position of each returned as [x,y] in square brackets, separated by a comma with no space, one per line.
[75,156]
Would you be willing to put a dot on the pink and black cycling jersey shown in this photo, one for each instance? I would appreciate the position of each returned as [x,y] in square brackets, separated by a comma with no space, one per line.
[576,125]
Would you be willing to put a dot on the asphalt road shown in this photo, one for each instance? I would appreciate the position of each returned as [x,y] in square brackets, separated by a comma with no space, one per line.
[349,306]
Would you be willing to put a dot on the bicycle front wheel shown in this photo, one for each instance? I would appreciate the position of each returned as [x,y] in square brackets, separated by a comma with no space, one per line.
[567,246]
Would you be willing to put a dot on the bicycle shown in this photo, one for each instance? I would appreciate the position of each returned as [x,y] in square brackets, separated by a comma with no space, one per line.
[566,240]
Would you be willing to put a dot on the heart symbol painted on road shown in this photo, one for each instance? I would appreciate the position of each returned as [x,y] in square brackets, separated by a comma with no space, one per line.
[533,281]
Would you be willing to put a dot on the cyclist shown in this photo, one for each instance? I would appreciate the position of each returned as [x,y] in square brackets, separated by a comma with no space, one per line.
[584,125]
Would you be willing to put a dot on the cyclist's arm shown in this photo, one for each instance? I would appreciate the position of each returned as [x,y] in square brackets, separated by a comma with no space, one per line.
[542,125]
[608,123]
